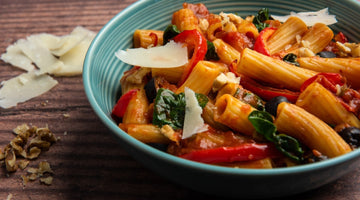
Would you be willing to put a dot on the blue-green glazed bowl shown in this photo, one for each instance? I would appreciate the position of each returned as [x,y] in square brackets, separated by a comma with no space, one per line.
[102,72]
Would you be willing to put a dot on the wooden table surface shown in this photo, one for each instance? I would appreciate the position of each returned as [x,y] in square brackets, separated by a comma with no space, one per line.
[87,161]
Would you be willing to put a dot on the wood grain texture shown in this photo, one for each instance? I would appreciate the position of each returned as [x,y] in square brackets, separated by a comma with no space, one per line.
[88,161]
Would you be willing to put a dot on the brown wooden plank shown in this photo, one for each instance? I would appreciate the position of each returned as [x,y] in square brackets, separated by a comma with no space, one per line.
[88,162]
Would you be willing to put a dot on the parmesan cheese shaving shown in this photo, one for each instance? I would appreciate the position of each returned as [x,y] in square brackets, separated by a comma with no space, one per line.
[60,56]
[41,56]
[168,56]
[311,18]
[74,59]
[16,57]
[193,122]
[24,87]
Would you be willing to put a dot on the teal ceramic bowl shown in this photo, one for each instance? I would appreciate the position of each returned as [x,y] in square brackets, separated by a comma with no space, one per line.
[102,72]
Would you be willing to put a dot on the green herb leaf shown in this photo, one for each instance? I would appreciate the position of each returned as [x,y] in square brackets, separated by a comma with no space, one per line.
[170,32]
[263,124]
[211,52]
[260,18]
[169,108]
[291,58]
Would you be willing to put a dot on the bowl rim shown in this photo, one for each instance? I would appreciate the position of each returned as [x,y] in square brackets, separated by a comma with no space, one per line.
[104,117]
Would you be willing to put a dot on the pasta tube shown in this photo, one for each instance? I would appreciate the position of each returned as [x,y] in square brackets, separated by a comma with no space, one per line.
[310,130]
[247,27]
[146,38]
[185,19]
[318,37]
[286,34]
[267,69]
[348,67]
[226,52]
[234,114]
[201,78]
[172,75]
[146,133]
[322,103]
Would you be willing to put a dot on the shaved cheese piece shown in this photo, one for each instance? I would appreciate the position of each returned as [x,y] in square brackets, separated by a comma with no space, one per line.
[74,59]
[24,87]
[310,18]
[49,41]
[70,41]
[193,122]
[40,55]
[16,57]
[168,56]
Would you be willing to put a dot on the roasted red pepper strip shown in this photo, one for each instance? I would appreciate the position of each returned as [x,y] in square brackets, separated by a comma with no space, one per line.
[260,42]
[244,152]
[340,37]
[328,80]
[350,99]
[120,107]
[196,41]
[266,92]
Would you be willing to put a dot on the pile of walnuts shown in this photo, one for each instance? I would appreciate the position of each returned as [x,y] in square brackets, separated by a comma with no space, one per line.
[27,145]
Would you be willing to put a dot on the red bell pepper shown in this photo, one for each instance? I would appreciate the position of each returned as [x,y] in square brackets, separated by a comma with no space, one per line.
[266,92]
[120,107]
[328,80]
[196,41]
[340,37]
[244,152]
[260,42]
[350,98]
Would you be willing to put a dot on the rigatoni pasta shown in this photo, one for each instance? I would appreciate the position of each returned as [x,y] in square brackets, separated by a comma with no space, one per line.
[260,67]
[309,129]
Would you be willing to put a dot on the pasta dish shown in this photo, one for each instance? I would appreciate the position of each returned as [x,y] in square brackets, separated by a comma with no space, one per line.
[247,92]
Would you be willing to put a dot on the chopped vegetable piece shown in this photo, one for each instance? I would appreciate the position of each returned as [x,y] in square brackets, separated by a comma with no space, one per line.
[260,18]
[195,41]
[120,107]
[211,52]
[170,32]
[244,152]
[263,124]
[260,42]
[169,108]
[291,59]
[266,92]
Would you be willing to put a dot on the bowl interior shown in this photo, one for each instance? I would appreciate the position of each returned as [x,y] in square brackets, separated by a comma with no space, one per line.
[102,70]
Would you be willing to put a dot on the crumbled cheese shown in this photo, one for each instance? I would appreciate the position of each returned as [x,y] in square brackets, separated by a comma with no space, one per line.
[230,17]
[223,79]
[203,24]
[14,91]
[305,43]
[193,122]
[342,47]
[168,56]
[310,18]
[305,52]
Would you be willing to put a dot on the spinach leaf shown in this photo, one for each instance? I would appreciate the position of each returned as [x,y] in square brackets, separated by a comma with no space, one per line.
[291,58]
[170,32]
[263,124]
[169,108]
[260,18]
[211,52]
